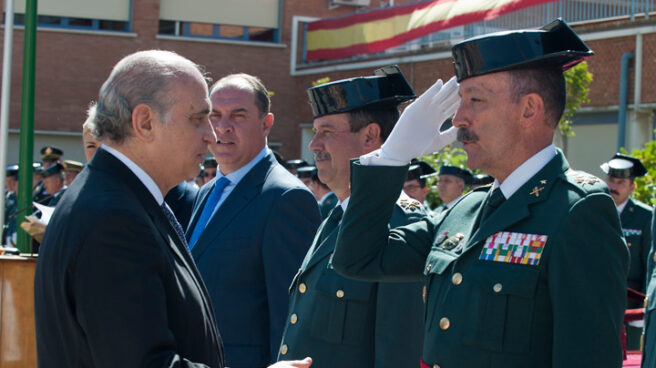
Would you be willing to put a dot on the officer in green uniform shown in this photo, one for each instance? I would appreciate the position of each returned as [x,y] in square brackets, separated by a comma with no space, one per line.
[415,182]
[528,272]
[326,199]
[53,182]
[635,217]
[11,206]
[451,185]
[337,321]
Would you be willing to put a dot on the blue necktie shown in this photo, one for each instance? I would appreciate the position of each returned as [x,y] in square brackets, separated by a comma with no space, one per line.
[174,222]
[211,203]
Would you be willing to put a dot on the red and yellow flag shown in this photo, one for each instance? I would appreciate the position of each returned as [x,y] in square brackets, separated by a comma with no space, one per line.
[378,30]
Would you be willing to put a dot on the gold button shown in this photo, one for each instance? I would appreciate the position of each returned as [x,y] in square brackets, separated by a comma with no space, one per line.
[497,288]
[293,318]
[340,293]
[283,349]
[456,279]
[445,323]
[628,244]
[302,288]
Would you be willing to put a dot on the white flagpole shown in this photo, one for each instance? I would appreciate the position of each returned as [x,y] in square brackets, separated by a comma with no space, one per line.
[4,104]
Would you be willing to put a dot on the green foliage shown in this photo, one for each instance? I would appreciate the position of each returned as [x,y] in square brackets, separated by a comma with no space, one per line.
[646,186]
[577,81]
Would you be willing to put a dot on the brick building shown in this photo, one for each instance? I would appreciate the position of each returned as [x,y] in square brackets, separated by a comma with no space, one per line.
[76,49]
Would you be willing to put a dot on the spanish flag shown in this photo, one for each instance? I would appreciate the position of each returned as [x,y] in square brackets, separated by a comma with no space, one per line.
[378,30]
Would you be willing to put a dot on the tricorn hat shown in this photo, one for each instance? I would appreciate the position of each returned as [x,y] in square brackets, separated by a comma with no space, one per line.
[51,153]
[52,170]
[387,87]
[464,174]
[419,170]
[306,172]
[555,44]
[623,166]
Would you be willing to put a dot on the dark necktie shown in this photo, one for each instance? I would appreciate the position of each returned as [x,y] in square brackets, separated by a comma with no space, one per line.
[492,203]
[210,205]
[174,222]
[331,223]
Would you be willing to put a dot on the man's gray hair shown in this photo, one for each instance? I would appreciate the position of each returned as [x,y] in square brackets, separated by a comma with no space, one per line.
[143,77]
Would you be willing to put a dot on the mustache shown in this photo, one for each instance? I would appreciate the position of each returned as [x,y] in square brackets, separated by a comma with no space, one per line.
[318,156]
[613,191]
[466,135]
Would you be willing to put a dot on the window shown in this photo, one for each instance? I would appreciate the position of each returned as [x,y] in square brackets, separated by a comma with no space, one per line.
[106,15]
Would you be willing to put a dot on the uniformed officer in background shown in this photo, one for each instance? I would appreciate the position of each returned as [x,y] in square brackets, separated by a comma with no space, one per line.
[326,199]
[528,273]
[415,182]
[451,185]
[71,169]
[478,180]
[635,218]
[11,206]
[337,321]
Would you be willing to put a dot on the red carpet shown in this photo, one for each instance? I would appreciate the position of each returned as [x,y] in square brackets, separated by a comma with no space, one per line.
[632,359]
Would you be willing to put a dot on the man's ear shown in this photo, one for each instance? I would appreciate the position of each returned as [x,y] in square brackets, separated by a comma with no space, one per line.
[142,122]
[372,136]
[532,108]
[267,123]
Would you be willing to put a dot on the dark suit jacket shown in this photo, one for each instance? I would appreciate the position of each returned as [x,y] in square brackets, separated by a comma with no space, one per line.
[181,200]
[342,322]
[114,285]
[649,346]
[539,283]
[248,255]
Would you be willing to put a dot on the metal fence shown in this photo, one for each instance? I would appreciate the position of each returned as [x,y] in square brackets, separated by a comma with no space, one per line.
[571,11]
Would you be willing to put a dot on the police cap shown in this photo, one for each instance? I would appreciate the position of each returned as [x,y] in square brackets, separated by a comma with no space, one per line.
[623,166]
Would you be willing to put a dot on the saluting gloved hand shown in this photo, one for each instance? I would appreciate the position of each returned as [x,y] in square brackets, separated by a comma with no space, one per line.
[417,133]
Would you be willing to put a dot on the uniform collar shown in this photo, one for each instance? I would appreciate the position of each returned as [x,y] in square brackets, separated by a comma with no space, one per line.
[525,171]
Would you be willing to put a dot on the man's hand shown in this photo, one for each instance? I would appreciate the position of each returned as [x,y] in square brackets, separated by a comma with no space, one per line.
[305,363]
[417,133]
[34,227]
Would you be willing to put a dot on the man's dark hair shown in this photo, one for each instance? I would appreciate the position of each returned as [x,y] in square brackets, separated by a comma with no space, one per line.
[385,118]
[549,83]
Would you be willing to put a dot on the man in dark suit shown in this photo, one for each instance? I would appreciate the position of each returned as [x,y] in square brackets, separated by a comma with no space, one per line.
[528,272]
[635,218]
[115,285]
[251,225]
[337,321]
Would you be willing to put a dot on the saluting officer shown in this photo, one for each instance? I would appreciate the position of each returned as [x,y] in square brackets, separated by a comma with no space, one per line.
[337,321]
[530,272]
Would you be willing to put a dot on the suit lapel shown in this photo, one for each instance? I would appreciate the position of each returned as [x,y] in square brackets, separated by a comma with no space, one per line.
[203,194]
[517,207]
[245,191]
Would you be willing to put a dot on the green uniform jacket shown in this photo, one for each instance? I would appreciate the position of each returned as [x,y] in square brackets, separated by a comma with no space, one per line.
[11,207]
[636,226]
[345,323]
[649,347]
[328,204]
[562,308]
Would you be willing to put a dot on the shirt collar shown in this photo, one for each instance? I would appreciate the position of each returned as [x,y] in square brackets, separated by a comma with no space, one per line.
[450,204]
[621,206]
[236,176]
[139,172]
[525,171]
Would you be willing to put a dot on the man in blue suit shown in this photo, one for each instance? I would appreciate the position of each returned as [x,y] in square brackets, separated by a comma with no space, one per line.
[250,226]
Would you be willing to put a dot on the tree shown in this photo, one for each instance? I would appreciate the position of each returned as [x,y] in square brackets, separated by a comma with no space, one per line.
[645,186]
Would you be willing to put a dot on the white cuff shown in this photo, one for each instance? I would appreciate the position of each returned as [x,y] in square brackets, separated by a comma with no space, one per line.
[376,158]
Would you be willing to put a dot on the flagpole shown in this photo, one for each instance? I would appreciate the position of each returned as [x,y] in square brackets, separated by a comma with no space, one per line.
[4,104]
[27,121]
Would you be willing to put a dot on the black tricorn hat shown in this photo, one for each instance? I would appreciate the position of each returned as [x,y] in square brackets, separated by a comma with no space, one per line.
[12,170]
[419,170]
[52,170]
[295,164]
[623,166]
[481,179]
[209,161]
[306,172]
[555,44]
[464,174]
[387,87]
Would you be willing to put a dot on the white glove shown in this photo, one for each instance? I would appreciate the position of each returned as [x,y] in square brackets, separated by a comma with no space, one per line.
[417,133]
